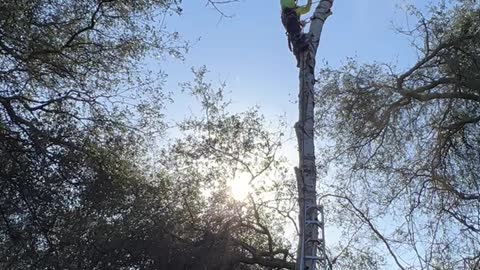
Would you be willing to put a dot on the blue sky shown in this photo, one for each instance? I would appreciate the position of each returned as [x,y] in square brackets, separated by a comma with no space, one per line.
[249,51]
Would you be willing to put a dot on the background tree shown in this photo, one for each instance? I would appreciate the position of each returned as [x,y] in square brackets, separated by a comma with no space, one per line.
[405,145]
[67,75]
[78,111]
[213,150]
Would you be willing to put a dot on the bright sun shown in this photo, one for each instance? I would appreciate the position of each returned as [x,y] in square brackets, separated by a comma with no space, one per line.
[239,187]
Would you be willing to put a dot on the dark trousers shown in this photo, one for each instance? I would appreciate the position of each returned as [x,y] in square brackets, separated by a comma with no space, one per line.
[296,39]
[291,22]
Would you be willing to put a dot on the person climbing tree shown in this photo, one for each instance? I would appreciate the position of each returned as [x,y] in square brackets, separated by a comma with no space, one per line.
[291,13]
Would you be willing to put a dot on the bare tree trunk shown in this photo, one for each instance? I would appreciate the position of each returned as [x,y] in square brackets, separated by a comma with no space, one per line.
[304,128]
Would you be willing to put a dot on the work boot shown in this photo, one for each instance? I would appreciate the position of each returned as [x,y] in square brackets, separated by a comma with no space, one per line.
[300,43]
[303,43]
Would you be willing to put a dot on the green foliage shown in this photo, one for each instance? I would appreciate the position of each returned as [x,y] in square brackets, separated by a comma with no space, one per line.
[77,110]
[406,143]
[213,149]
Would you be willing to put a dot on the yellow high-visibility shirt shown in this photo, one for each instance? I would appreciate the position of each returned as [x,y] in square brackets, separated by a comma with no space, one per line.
[300,10]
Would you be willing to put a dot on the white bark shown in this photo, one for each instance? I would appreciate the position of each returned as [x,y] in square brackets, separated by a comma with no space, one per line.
[306,171]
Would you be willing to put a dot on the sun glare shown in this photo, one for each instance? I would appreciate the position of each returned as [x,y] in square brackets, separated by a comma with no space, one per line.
[239,187]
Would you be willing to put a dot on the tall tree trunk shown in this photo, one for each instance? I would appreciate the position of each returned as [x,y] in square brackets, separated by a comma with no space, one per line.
[304,128]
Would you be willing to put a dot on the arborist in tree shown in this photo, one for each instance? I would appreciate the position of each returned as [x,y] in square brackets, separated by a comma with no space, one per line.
[291,13]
